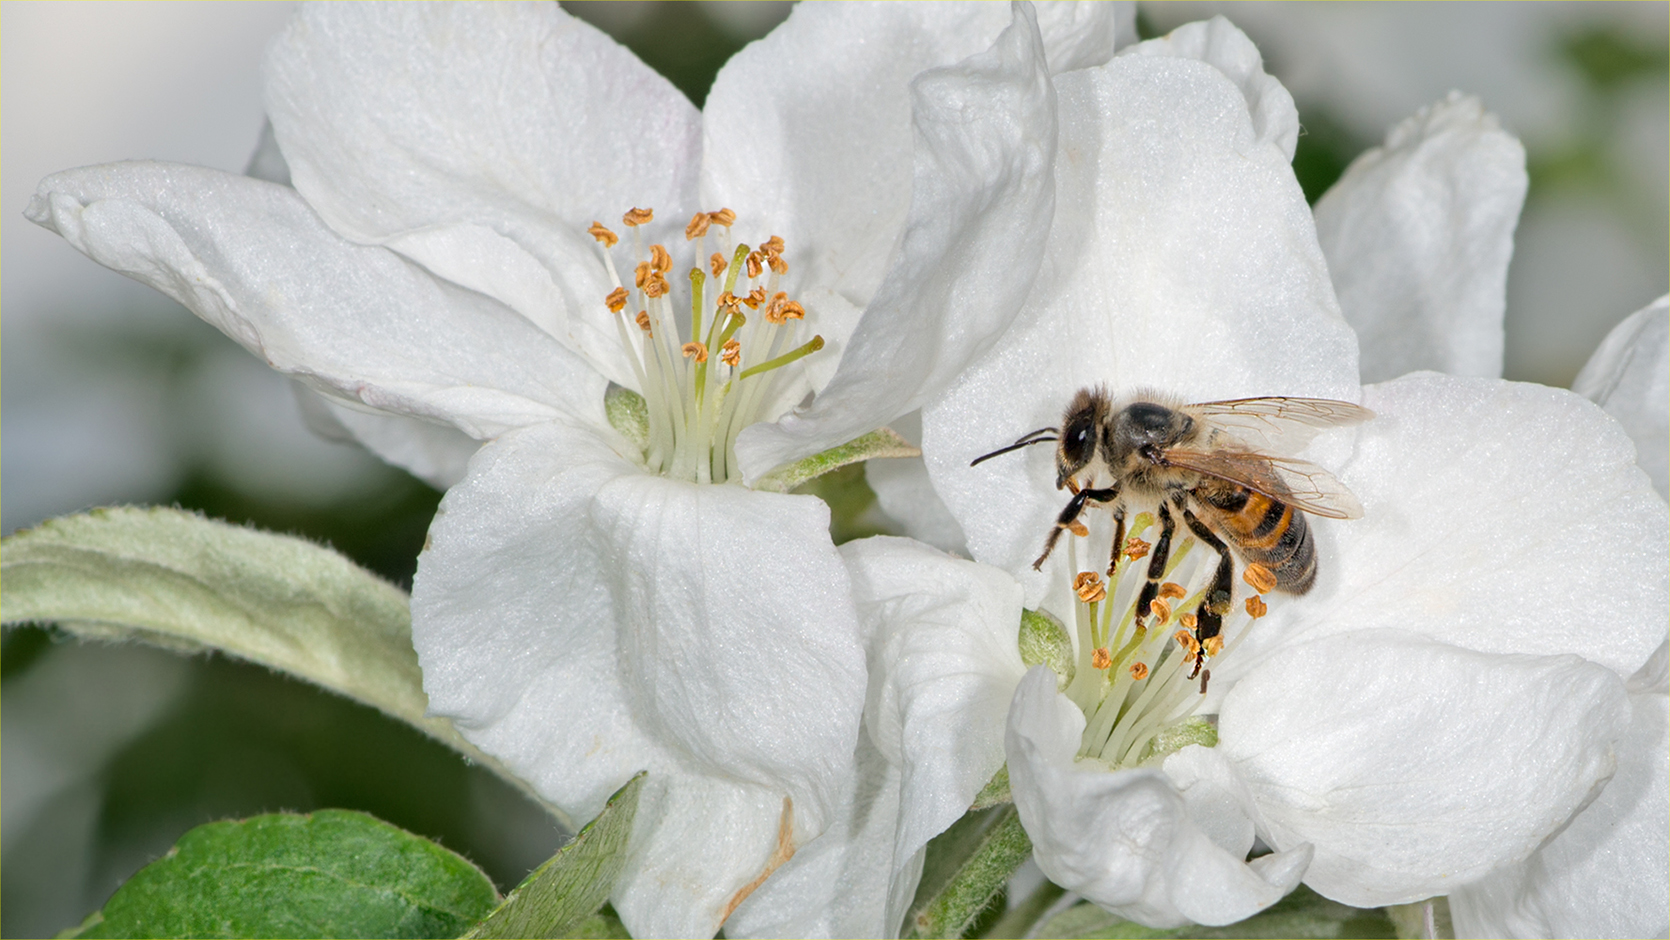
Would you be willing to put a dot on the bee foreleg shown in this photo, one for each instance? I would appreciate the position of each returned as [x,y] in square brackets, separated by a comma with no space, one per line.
[1156,565]
[1070,514]
[1209,620]
[1118,538]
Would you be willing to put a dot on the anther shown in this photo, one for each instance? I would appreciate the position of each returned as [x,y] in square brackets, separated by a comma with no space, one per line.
[698,350]
[655,285]
[717,265]
[1078,528]
[697,227]
[792,311]
[1135,548]
[616,300]
[1188,621]
[636,217]
[778,265]
[1101,658]
[659,259]
[771,309]
[723,217]
[1172,589]
[1262,579]
[1139,671]
[1089,587]
[1213,645]
[603,235]
[731,353]
[643,321]
[640,274]
[1161,610]
[1256,607]
[755,298]
[1185,640]
[755,264]
[773,245]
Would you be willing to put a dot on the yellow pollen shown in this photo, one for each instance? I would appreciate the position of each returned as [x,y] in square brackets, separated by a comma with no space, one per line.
[603,235]
[717,264]
[655,286]
[755,298]
[773,245]
[1213,645]
[792,311]
[616,300]
[1135,548]
[640,274]
[697,227]
[1172,589]
[643,321]
[1256,607]
[723,217]
[636,217]
[755,265]
[1188,621]
[1186,640]
[1089,587]
[771,309]
[1139,671]
[1262,579]
[659,259]
[1161,611]
[731,353]
[1078,528]
[1101,659]
[698,350]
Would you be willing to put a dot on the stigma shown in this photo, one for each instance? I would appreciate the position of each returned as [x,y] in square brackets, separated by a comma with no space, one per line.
[707,366]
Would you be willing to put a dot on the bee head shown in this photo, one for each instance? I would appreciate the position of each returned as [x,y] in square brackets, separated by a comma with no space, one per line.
[1081,428]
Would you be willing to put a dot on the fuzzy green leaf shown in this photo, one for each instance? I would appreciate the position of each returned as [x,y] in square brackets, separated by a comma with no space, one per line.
[966,869]
[561,898]
[178,580]
[333,873]
[883,442]
[1044,640]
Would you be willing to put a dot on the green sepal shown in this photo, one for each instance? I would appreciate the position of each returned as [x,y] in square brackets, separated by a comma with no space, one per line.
[966,870]
[882,442]
[996,792]
[1045,641]
[332,873]
[1303,913]
[562,897]
[177,580]
[628,413]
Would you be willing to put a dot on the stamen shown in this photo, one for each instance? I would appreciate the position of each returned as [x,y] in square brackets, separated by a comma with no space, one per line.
[616,300]
[717,265]
[773,245]
[1256,607]
[697,226]
[659,259]
[1101,658]
[1161,610]
[655,285]
[1188,621]
[636,217]
[755,265]
[640,274]
[1135,548]
[1172,589]
[1213,645]
[1078,528]
[695,349]
[778,265]
[1089,587]
[731,353]
[723,217]
[1262,579]
[1139,671]
[607,238]
[811,346]
[1185,639]
[643,320]
[755,297]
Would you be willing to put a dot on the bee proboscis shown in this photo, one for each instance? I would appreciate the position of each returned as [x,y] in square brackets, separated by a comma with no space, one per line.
[1223,466]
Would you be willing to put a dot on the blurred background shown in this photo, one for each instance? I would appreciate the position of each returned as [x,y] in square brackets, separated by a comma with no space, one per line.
[114,394]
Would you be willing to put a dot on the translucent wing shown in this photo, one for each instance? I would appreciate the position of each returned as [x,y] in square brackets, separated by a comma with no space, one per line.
[1300,484]
[1278,425]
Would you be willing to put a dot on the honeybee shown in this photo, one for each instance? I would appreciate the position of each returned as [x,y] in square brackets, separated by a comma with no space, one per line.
[1220,465]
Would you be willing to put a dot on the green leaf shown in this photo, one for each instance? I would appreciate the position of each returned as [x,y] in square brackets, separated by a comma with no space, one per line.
[333,873]
[883,442]
[178,580]
[1044,640]
[1302,914]
[561,898]
[966,869]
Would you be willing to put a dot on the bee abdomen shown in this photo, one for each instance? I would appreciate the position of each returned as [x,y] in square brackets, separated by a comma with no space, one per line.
[1275,535]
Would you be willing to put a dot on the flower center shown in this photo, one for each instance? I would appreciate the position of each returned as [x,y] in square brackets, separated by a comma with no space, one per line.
[1139,680]
[712,371]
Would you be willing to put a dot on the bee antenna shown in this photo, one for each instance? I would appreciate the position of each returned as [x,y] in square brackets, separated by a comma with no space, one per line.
[1026,440]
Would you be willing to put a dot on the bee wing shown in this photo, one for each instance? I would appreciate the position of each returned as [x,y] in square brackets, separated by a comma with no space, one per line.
[1298,483]
[1279,425]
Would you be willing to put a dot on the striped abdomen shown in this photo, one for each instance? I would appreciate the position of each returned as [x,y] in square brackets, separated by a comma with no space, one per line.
[1263,530]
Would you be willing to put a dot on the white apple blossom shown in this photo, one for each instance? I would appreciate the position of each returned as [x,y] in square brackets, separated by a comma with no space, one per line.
[588,607]
[1452,690]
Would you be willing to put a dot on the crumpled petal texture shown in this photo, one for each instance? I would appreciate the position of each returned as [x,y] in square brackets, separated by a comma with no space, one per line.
[1123,839]
[1418,234]
[1629,376]
[1386,751]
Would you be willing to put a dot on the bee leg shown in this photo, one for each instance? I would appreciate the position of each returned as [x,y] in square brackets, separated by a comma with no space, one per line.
[1209,620]
[1118,539]
[1070,514]
[1156,565]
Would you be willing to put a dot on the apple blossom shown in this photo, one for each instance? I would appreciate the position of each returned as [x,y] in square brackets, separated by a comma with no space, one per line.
[589,606]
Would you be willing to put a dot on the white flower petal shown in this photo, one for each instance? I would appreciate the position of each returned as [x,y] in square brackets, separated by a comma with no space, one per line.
[1605,874]
[1498,516]
[1182,258]
[944,662]
[1123,838]
[1629,376]
[1218,43]
[1418,234]
[360,322]
[1081,35]
[434,453]
[1388,752]
[979,207]
[906,494]
[481,140]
